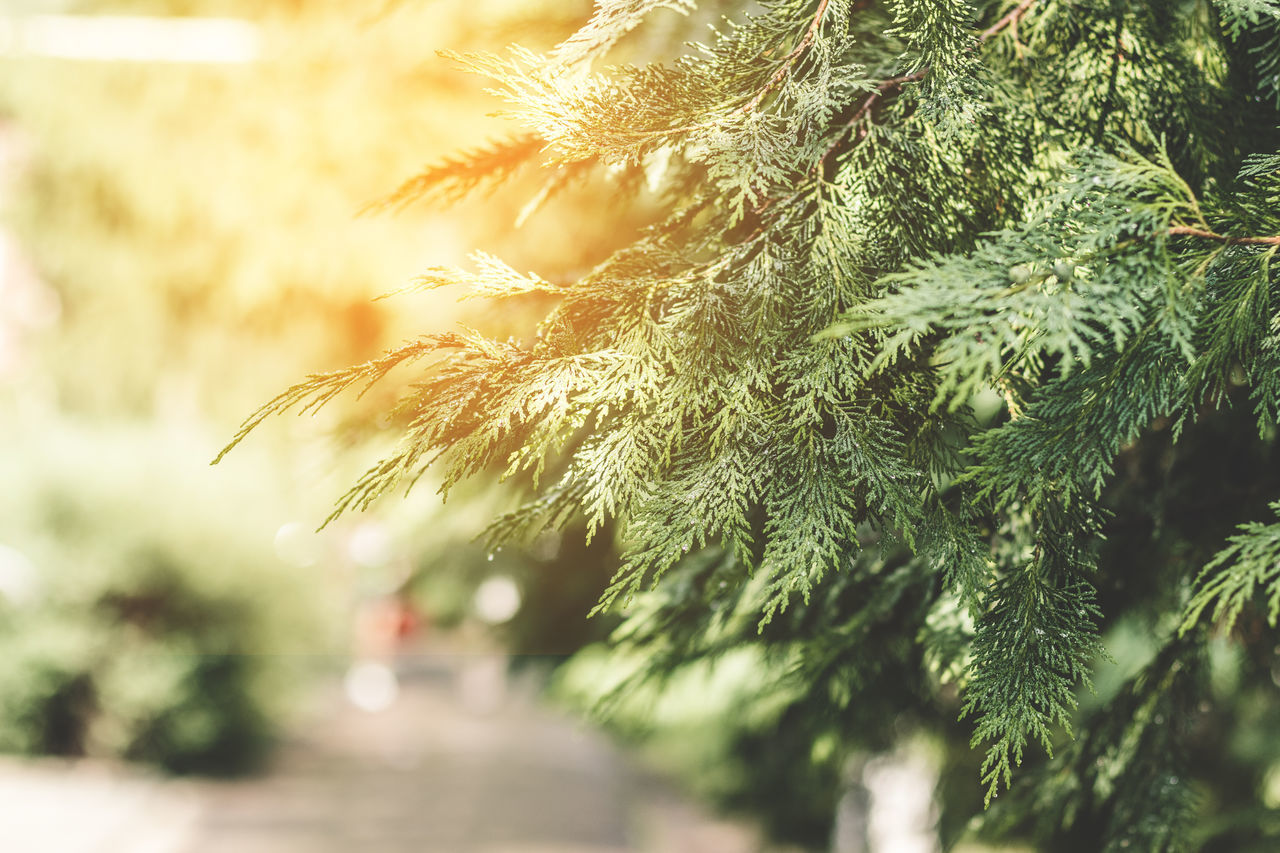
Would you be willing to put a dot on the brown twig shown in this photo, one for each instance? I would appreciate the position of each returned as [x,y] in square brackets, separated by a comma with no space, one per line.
[1189,231]
[1009,20]
[788,61]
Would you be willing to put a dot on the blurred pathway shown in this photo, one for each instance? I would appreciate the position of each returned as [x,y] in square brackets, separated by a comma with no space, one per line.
[459,764]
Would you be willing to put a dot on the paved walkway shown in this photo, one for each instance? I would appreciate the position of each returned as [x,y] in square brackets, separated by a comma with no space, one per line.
[461,763]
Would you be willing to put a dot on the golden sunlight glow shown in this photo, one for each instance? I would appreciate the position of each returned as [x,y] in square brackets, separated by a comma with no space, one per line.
[132,39]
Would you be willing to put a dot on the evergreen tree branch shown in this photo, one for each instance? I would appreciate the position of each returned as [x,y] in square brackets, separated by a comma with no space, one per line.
[792,482]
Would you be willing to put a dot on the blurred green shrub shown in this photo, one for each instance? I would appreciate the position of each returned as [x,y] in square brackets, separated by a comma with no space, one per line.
[125,675]
[161,624]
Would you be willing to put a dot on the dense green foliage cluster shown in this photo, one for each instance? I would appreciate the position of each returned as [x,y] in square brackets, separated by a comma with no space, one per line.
[954,348]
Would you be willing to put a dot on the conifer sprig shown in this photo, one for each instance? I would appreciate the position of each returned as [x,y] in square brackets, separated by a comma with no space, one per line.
[457,177]
[1035,645]
[608,23]
[1250,564]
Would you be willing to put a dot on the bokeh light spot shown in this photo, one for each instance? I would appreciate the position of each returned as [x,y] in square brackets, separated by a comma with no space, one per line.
[371,686]
[497,600]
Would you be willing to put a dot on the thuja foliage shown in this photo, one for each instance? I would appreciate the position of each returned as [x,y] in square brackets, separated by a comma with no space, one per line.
[875,216]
